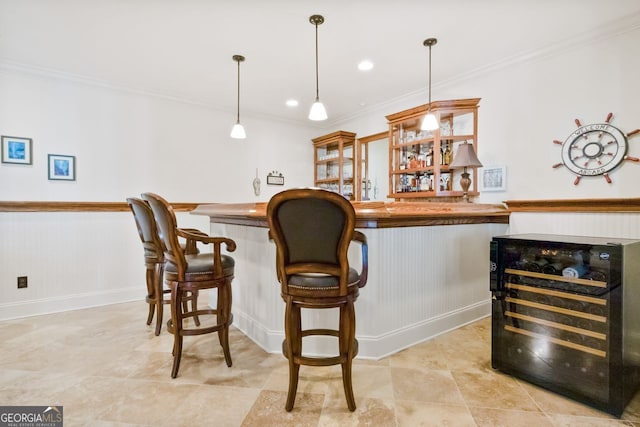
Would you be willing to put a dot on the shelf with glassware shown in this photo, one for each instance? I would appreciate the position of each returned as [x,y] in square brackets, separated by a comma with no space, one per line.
[335,163]
[419,160]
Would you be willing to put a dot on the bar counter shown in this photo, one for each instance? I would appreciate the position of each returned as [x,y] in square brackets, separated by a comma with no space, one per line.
[428,272]
[372,214]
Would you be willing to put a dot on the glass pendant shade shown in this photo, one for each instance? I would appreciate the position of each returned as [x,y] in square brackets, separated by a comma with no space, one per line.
[430,122]
[237,131]
[317,111]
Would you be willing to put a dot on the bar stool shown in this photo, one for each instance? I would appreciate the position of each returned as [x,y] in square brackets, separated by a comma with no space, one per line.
[154,261]
[192,273]
[312,230]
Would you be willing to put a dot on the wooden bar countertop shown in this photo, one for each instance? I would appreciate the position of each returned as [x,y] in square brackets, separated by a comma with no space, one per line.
[375,214]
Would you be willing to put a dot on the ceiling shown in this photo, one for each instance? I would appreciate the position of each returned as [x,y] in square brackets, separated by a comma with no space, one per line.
[183,49]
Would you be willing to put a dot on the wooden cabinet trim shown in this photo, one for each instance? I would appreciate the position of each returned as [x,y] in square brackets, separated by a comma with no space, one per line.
[575,205]
[59,206]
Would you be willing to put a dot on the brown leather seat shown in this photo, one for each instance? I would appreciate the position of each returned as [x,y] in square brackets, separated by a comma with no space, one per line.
[191,273]
[312,230]
[154,261]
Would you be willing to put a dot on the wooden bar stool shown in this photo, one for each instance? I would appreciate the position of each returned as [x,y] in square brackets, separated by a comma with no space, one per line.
[191,273]
[312,230]
[154,261]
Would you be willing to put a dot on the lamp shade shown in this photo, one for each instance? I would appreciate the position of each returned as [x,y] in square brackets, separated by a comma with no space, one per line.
[465,157]
[237,132]
[430,122]
[317,111]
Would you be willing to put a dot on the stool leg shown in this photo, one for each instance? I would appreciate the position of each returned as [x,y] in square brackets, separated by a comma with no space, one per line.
[194,307]
[293,337]
[224,314]
[176,321]
[157,283]
[346,343]
[150,298]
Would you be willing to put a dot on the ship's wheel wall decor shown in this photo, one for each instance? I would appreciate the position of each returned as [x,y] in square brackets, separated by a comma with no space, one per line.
[595,149]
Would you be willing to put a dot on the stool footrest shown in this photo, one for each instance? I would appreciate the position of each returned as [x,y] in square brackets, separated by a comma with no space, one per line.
[320,360]
[203,330]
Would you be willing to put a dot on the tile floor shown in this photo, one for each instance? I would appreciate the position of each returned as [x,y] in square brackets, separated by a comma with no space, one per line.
[105,366]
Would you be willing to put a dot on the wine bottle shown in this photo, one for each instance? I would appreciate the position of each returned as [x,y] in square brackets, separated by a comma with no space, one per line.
[553,268]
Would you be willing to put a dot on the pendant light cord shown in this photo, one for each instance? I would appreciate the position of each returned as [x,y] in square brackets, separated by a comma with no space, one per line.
[238,112]
[317,80]
[429,77]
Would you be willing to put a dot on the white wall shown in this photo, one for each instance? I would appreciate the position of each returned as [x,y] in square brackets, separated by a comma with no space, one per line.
[125,143]
[527,104]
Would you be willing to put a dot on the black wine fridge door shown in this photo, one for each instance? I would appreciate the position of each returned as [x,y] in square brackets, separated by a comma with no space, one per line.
[557,315]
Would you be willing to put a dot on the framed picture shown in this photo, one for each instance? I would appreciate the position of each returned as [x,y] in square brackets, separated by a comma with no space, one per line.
[493,178]
[275,178]
[16,150]
[62,167]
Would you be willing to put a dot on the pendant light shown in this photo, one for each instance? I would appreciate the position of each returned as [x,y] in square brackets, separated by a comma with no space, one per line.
[430,121]
[317,111]
[237,132]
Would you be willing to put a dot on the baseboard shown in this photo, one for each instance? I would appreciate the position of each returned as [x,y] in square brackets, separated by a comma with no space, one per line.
[269,340]
[16,310]
[371,347]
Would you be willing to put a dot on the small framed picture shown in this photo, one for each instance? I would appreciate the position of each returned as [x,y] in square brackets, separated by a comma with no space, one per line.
[62,167]
[16,150]
[493,178]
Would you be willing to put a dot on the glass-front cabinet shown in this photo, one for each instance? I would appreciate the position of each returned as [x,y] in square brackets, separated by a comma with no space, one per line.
[335,162]
[419,160]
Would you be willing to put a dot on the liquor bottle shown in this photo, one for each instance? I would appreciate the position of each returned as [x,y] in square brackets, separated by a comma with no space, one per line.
[441,155]
[447,155]
[430,156]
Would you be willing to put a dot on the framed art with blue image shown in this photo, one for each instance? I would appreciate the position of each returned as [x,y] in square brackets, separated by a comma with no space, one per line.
[62,167]
[17,150]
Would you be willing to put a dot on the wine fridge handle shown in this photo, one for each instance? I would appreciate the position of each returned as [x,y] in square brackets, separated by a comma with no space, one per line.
[494,268]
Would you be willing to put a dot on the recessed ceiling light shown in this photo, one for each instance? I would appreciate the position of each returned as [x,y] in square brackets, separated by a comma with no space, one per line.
[365,65]
[292,102]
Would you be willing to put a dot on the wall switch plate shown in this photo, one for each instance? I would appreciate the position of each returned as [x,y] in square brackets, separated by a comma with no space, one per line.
[22,282]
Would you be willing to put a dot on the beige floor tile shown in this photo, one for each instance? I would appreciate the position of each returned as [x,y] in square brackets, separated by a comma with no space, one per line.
[485,417]
[106,367]
[553,403]
[268,410]
[311,379]
[463,350]
[214,405]
[414,414]
[369,412]
[425,386]
[493,390]
[426,356]
[574,421]
[632,411]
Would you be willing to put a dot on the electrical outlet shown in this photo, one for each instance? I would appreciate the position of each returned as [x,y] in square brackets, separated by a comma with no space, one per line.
[22,282]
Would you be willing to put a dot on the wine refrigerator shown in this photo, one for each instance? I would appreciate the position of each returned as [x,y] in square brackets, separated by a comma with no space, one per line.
[566,315]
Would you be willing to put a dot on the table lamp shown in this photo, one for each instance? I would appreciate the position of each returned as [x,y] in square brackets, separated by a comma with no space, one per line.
[465,158]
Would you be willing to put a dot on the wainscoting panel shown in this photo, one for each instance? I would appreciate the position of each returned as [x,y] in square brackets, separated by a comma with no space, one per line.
[423,281]
[596,224]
